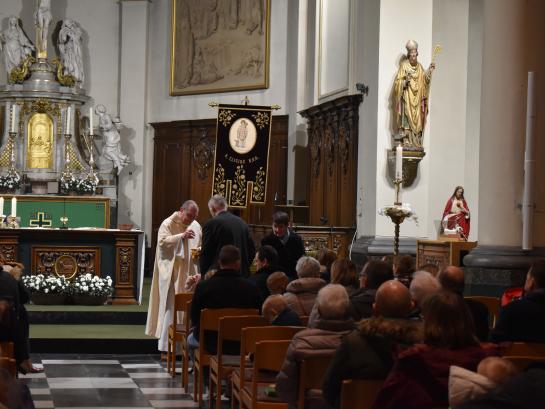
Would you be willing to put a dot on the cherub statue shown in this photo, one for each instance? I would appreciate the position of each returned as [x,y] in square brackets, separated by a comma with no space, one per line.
[69,43]
[111,148]
[15,44]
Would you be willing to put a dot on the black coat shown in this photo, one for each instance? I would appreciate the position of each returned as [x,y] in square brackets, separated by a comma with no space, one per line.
[225,289]
[361,303]
[288,253]
[479,312]
[259,279]
[226,228]
[522,320]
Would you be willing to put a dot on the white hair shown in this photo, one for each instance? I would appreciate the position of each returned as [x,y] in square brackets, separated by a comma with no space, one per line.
[307,267]
[422,286]
[217,202]
[332,301]
[190,203]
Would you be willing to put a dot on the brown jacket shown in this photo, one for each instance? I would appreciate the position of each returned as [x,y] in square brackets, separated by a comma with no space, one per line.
[301,294]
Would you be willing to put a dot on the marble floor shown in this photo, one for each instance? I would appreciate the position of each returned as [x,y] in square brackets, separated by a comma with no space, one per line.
[99,381]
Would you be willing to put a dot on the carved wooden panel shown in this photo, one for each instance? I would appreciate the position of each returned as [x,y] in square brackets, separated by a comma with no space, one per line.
[125,259]
[333,140]
[45,260]
[9,248]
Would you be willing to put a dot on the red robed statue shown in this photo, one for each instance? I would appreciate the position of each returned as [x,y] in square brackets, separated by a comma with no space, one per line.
[456,213]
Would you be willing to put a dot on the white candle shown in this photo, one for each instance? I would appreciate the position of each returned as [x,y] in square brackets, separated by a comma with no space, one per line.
[1,206]
[91,121]
[399,162]
[68,122]
[12,120]
[14,207]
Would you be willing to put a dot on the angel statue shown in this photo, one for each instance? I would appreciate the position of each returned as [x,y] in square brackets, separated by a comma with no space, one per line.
[69,42]
[111,149]
[15,44]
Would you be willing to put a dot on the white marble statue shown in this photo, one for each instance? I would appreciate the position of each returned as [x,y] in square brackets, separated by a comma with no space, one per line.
[111,149]
[69,42]
[42,20]
[15,44]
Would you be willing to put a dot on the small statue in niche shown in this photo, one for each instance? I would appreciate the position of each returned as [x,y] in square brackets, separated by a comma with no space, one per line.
[69,42]
[111,149]
[15,44]
[456,217]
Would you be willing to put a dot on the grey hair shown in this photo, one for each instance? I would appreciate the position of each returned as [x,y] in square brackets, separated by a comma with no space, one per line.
[307,267]
[190,203]
[332,301]
[217,202]
[422,286]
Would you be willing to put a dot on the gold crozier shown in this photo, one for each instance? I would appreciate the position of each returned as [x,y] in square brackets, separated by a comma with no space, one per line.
[40,142]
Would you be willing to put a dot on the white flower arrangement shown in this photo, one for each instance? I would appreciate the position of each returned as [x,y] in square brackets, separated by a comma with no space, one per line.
[46,284]
[89,284]
[10,181]
[69,182]
[403,211]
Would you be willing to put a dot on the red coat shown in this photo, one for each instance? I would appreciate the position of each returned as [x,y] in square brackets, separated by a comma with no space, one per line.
[458,218]
[419,378]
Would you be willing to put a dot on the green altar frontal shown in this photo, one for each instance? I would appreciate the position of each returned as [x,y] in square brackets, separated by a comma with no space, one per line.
[46,211]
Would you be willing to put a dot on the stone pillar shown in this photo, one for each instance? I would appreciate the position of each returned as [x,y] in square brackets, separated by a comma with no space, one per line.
[132,108]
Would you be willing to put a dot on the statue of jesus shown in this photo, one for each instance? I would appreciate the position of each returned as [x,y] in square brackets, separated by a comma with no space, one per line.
[42,20]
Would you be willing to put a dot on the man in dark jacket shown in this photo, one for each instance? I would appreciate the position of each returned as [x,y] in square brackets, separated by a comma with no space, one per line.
[277,312]
[373,274]
[452,278]
[366,353]
[266,260]
[225,289]
[522,320]
[286,242]
[222,229]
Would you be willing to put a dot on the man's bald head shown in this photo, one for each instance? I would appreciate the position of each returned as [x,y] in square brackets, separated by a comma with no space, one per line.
[392,300]
[452,278]
[273,306]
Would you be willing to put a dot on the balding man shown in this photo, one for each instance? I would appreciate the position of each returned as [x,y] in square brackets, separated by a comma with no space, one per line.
[177,236]
[452,279]
[366,353]
[422,286]
[276,310]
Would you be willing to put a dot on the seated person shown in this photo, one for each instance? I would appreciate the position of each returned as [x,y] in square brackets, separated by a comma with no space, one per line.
[301,293]
[404,269]
[286,242]
[521,320]
[225,289]
[322,339]
[277,282]
[343,272]
[373,274]
[492,372]
[366,353]
[277,312]
[326,257]
[419,378]
[422,286]
[452,279]
[266,260]
[433,269]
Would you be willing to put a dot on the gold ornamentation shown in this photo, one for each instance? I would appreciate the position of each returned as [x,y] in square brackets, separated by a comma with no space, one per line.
[20,73]
[225,116]
[5,156]
[258,191]
[261,119]
[66,80]
[219,181]
[75,164]
[238,190]
[66,266]
[40,142]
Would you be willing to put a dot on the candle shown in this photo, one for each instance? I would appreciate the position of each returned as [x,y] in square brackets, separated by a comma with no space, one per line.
[2,206]
[91,121]
[12,120]
[14,207]
[68,122]
[399,162]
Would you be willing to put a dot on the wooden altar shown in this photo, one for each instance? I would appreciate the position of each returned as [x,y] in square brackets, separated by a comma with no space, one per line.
[104,252]
[442,252]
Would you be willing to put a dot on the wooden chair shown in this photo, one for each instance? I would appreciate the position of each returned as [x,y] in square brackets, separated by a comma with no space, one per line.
[311,375]
[249,339]
[230,329]
[210,322]
[9,365]
[6,350]
[492,305]
[522,362]
[525,349]
[177,332]
[185,349]
[269,357]
[360,393]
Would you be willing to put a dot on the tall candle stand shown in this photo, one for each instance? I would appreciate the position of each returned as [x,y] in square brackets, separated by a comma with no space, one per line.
[66,176]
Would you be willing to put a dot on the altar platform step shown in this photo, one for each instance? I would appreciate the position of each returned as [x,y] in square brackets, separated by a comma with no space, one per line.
[89,315]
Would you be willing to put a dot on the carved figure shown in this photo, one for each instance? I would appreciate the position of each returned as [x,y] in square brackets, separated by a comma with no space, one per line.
[111,148]
[69,43]
[242,134]
[456,215]
[42,20]
[15,44]
[411,93]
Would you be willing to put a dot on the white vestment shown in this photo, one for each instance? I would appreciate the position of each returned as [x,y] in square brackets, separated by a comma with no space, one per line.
[173,264]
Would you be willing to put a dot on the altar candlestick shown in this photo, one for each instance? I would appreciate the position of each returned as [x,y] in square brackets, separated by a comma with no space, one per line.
[14,207]
[91,121]
[68,122]
[2,206]
[13,112]
[399,162]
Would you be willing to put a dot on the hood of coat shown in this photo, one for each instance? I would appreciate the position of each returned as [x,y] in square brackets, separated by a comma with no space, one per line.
[306,285]
[397,330]
[464,385]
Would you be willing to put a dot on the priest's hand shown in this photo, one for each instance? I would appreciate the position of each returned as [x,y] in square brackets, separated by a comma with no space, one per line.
[188,234]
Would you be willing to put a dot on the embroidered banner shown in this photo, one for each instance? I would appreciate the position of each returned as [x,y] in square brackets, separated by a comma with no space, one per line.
[242,154]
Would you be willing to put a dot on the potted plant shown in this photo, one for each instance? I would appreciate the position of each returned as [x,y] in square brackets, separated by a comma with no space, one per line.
[46,289]
[89,289]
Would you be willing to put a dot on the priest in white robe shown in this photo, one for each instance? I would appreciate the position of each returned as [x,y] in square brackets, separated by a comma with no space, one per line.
[178,235]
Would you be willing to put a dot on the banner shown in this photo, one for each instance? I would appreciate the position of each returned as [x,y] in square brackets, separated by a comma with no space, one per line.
[242,154]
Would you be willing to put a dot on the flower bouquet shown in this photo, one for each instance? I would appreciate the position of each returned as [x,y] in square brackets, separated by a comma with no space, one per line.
[89,289]
[10,181]
[46,289]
